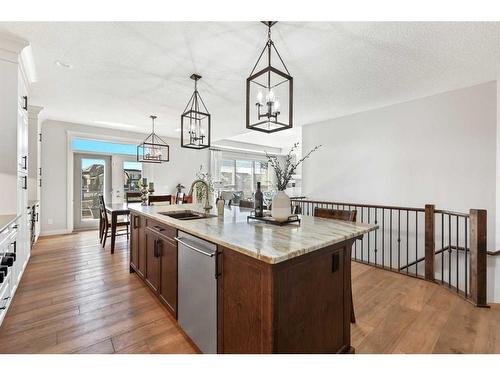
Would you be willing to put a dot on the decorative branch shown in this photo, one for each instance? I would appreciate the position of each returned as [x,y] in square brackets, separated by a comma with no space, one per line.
[284,172]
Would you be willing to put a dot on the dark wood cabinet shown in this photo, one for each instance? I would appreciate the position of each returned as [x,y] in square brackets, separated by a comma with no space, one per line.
[298,306]
[134,242]
[152,276]
[168,274]
[161,263]
[138,245]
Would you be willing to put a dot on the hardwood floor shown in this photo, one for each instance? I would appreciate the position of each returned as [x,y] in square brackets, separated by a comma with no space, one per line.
[76,297]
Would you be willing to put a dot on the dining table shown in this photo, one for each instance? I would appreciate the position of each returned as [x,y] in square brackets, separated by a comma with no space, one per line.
[115,210]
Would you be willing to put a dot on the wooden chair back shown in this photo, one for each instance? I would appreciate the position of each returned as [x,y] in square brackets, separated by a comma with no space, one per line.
[132,196]
[335,214]
[159,198]
[246,203]
[102,210]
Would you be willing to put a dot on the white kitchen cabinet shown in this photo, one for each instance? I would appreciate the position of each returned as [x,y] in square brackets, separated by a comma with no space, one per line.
[14,164]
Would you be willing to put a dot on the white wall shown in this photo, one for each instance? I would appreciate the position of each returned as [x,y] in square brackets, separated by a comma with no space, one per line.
[182,168]
[439,149]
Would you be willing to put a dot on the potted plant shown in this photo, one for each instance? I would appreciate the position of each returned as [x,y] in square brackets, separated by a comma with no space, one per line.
[281,205]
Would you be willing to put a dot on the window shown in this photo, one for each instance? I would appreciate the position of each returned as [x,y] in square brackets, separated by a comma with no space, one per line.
[79,144]
[242,174]
[244,177]
[132,171]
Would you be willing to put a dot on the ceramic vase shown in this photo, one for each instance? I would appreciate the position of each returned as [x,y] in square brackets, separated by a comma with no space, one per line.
[281,206]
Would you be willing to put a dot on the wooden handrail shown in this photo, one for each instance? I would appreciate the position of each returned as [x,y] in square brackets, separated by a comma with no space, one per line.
[473,234]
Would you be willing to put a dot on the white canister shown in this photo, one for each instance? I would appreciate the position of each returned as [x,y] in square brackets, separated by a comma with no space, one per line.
[281,206]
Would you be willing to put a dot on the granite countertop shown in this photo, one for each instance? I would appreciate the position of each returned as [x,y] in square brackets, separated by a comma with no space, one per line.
[267,242]
[6,220]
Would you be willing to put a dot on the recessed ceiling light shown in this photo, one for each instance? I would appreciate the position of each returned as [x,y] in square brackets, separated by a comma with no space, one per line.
[63,64]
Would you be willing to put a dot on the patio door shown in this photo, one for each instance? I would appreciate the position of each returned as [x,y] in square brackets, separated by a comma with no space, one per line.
[91,178]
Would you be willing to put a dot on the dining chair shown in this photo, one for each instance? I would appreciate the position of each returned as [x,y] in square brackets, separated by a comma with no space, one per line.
[132,196]
[339,215]
[246,203]
[107,225]
[159,198]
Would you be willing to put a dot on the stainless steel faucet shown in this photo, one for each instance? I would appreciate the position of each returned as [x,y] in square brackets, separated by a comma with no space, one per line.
[207,206]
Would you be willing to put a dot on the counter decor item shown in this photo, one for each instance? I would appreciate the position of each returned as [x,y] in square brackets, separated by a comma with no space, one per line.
[151,188]
[271,220]
[259,202]
[220,206]
[143,185]
[281,207]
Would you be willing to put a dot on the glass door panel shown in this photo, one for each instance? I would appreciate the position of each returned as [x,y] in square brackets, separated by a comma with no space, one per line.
[91,179]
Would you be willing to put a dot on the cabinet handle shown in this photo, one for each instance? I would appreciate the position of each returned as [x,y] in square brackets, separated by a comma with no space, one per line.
[36,217]
[40,170]
[40,182]
[25,182]
[136,222]
[5,304]
[25,107]
[217,272]
[335,262]
[157,228]
[39,137]
[180,240]
[15,246]
[25,162]
[158,248]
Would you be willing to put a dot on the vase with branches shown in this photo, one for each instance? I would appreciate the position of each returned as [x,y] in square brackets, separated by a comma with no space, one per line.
[284,171]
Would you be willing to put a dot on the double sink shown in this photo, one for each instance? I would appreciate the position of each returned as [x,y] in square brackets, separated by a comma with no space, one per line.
[186,215]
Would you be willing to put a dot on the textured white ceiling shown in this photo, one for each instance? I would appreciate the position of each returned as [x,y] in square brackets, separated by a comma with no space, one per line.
[123,72]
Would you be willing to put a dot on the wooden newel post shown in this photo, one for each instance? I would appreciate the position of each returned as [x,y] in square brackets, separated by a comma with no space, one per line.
[429,242]
[478,256]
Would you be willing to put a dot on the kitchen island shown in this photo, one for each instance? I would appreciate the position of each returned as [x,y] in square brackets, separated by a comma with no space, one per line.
[276,289]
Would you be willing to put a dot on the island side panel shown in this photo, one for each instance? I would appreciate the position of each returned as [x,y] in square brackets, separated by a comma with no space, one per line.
[244,316]
[298,306]
[311,308]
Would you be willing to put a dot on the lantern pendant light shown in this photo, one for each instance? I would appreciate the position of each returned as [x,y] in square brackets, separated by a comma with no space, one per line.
[269,91]
[153,149]
[195,121]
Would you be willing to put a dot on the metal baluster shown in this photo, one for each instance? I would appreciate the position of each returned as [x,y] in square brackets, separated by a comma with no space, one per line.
[399,240]
[416,242]
[465,251]
[383,237]
[442,247]
[355,241]
[368,234]
[376,236]
[408,241]
[449,250]
[362,238]
[457,252]
[390,240]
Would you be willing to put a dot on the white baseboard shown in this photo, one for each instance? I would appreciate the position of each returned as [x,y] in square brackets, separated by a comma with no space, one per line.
[54,232]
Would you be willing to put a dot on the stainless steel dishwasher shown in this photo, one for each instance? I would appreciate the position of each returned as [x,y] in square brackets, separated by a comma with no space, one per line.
[197,290]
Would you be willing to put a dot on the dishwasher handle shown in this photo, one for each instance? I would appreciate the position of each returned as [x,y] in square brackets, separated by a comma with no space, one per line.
[179,239]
